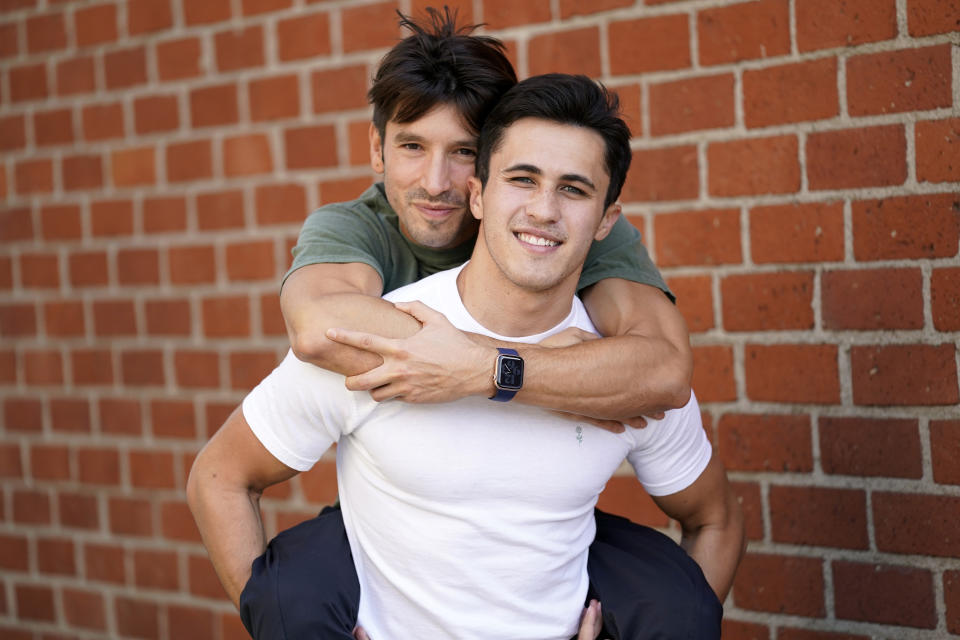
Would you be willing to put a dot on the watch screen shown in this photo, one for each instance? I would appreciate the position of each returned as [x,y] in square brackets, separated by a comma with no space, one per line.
[511,372]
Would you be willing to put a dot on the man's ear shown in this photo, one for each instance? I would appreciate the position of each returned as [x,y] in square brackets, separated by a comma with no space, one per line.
[376,148]
[476,197]
[610,217]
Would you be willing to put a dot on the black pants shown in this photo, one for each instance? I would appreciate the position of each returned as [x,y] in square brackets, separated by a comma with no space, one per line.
[304,586]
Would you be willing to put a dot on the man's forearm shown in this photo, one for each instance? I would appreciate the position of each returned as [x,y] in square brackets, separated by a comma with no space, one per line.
[718,549]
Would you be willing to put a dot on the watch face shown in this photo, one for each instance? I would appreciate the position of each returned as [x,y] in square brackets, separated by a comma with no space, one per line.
[510,372]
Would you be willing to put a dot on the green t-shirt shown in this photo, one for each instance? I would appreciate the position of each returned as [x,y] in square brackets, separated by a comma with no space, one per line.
[367,230]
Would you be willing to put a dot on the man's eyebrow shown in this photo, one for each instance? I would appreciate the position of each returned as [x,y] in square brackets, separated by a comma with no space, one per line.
[567,177]
[407,136]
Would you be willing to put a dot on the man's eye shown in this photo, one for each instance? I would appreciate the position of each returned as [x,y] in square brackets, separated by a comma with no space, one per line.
[572,190]
[521,180]
[465,152]
[411,146]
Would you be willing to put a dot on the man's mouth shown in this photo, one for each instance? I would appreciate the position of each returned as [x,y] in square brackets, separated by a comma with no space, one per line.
[538,241]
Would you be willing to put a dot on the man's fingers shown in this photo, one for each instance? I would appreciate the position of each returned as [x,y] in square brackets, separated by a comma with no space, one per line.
[606,425]
[591,623]
[638,422]
[360,634]
[367,341]
[420,311]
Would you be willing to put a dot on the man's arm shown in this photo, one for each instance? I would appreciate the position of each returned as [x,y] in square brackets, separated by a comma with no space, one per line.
[712,523]
[223,491]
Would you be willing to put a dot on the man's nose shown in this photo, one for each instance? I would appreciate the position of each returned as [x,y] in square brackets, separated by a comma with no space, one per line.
[543,206]
[436,178]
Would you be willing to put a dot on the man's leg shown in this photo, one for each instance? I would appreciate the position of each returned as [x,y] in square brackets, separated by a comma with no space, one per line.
[648,586]
[304,586]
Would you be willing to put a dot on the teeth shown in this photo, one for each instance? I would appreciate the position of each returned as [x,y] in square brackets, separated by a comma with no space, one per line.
[537,240]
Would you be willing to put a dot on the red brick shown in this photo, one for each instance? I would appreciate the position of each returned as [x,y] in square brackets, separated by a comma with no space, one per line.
[694,301]
[137,618]
[797,232]
[84,609]
[274,98]
[46,33]
[375,26]
[246,155]
[141,368]
[735,629]
[78,511]
[805,634]
[53,127]
[698,237]
[114,318]
[938,150]
[130,516]
[819,516]
[951,594]
[945,450]
[10,466]
[88,269]
[870,447]
[173,419]
[155,569]
[178,522]
[850,158]
[341,190]
[168,317]
[744,31]
[339,90]
[780,584]
[104,563]
[792,373]
[904,375]
[34,602]
[573,51]
[280,203]
[823,24]
[779,443]
[897,81]
[310,147]
[120,416]
[13,133]
[247,369]
[751,503]
[28,82]
[75,76]
[125,68]
[70,415]
[179,59]
[82,172]
[226,317]
[239,49]
[214,105]
[9,40]
[40,271]
[189,161]
[190,623]
[103,121]
[197,369]
[254,7]
[873,299]
[95,25]
[42,367]
[152,114]
[192,265]
[649,44]
[359,142]
[33,176]
[15,224]
[206,12]
[50,462]
[305,36]
[925,226]
[754,166]
[670,173]
[14,553]
[271,320]
[767,301]
[204,582]
[20,414]
[692,104]
[570,8]
[152,470]
[18,320]
[623,496]
[98,466]
[6,272]
[251,260]
[144,16]
[63,319]
[884,594]
[713,373]
[916,523]
[134,167]
[220,210]
[91,366]
[31,507]
[138,266]
[164,213]
[55,556]
[929,17]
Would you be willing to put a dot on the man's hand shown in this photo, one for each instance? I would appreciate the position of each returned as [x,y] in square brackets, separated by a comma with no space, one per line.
[439,363]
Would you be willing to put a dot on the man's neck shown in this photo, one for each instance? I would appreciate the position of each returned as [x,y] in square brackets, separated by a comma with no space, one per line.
[506,309]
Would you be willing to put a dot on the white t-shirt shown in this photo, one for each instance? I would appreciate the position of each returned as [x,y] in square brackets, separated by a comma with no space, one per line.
[470,519]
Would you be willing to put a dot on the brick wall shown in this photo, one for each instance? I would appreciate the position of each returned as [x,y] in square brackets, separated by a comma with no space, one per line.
[796,175]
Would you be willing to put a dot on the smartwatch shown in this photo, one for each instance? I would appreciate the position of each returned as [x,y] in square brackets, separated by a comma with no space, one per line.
[508,375]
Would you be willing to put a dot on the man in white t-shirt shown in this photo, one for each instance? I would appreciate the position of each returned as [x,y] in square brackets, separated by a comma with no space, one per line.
[468,519]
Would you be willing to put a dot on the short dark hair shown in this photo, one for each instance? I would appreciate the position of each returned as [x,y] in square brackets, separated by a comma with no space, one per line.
[565,99]
[440,63]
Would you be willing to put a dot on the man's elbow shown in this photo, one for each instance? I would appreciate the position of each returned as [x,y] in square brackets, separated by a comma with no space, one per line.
[675,383]
[311,346]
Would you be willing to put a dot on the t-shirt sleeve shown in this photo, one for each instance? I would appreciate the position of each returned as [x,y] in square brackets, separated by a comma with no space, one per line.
[336,234]
[621,255]
[298,411]
[671,453]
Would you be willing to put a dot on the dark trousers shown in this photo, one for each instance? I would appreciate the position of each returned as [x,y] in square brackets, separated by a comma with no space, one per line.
[304,586]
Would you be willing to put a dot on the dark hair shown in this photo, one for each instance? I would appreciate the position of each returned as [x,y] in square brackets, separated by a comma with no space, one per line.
[565,99]
[440,63]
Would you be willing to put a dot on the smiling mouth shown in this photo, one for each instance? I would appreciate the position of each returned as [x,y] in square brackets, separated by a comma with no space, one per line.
[538,241]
